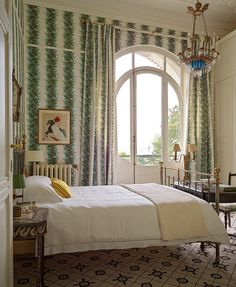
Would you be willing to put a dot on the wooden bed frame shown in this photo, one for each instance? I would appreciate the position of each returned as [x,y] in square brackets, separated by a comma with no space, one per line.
[191,181]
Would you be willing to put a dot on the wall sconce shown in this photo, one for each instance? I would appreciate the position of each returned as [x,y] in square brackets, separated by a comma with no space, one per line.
[34,156]
[188,157]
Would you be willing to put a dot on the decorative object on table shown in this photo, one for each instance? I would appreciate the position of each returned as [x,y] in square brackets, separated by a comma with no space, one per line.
[54,126]
[17,91]
[34,156]
[16,211]
[18,160]
[188,157]
[19,183]
[200,53]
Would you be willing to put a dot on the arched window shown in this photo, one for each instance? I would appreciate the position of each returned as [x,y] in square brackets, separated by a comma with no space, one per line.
[149,105]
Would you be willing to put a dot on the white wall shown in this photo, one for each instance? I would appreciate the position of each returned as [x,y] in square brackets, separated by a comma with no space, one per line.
[226,106]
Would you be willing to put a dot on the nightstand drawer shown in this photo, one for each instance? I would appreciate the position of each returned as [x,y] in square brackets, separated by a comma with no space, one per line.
[24,247]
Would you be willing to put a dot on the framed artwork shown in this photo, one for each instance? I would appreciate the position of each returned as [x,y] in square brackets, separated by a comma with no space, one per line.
[54,126]
[16,90]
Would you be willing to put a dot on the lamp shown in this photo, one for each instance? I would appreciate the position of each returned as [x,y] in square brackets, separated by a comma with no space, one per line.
[34,156]
[188,157]
[19,182]
[201,52]
[176,149]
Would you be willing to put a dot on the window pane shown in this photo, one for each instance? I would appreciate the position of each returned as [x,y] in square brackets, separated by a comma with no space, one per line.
[123,64]
[173,69]
[149,144]
[173,120]
[149,59]
[123,120]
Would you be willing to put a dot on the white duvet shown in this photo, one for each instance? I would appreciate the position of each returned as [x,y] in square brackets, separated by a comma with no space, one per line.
[109,217]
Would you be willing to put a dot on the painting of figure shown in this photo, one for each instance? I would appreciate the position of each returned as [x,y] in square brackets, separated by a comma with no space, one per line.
[54,126]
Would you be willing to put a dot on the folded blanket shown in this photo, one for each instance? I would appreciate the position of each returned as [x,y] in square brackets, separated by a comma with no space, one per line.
[179,213]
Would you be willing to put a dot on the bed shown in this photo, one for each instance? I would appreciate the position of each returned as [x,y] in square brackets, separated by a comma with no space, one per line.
[114,217]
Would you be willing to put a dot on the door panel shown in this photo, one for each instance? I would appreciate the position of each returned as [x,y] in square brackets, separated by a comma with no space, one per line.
[148,119]
[6,256]
[142,114]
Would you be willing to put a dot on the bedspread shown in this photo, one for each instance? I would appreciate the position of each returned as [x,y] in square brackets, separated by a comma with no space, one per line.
[180,215]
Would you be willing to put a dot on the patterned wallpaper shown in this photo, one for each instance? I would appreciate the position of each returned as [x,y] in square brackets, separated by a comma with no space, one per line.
[53,67]
[18,58]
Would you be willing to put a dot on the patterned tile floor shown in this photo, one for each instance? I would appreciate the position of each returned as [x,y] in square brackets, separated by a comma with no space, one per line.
[182,265]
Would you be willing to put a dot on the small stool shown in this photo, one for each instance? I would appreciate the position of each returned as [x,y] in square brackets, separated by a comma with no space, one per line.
[226,208]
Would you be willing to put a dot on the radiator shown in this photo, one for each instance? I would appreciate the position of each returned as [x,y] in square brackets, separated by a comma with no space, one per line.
[60,171]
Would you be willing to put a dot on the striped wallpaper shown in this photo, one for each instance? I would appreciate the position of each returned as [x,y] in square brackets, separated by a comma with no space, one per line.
[18,59]
[53,67]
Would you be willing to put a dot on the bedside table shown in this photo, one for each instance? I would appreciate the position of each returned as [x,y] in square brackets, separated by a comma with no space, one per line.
[32,224]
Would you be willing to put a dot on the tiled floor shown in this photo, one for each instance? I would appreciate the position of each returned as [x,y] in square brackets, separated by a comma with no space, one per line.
[183,265]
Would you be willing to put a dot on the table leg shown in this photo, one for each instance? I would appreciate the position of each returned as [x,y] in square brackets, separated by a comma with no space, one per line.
[40,260]
[202,246]
[217,258]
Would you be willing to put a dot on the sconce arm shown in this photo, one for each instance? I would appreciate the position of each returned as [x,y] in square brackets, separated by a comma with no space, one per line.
[180,158]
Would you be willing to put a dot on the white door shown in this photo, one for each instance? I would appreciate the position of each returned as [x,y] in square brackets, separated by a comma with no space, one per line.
[6,256]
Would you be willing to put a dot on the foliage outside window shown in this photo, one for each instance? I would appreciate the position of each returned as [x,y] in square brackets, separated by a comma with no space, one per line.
[148,107]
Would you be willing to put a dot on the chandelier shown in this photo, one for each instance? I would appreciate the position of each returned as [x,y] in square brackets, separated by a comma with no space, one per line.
[200,53]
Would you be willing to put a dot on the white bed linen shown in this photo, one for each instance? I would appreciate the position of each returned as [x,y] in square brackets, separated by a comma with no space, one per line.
[176,211]
[108,217]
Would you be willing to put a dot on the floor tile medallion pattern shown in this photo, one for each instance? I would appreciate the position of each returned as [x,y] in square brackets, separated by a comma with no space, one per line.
[182,265]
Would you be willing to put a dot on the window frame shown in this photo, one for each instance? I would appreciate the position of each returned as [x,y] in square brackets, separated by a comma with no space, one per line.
[166,78]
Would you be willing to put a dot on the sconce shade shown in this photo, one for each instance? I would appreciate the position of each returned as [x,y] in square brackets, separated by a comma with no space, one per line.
[34,155]
[191,148]
[176,148]
[18,181]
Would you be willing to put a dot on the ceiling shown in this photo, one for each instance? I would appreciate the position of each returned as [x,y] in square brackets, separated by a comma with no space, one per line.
[220,17]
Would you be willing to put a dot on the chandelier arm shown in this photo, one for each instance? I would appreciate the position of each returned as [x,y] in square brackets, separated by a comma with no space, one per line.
[193,34]
[204,21]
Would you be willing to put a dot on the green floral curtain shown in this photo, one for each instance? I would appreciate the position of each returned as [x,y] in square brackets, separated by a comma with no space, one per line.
[201,121]
[97,104]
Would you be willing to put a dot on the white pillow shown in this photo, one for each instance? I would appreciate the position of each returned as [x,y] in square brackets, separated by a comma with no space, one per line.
[39,189]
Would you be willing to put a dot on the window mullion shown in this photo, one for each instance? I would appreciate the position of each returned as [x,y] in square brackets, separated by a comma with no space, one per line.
[164,97]
[133,140]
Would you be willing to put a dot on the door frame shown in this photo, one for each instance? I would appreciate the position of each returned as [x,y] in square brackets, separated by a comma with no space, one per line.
[6,196]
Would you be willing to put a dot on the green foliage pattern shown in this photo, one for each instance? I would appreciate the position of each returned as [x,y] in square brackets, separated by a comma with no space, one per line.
[171,41]
[158,39]
[69,84]
[33,58]
[51,73]
[145,37]
[131,35]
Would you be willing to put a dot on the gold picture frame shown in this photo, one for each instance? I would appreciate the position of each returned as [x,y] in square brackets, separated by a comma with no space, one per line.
[16,98]
[53,126]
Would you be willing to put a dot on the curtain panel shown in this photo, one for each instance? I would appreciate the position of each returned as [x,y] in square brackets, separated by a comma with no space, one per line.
[201,121]
[97,126]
